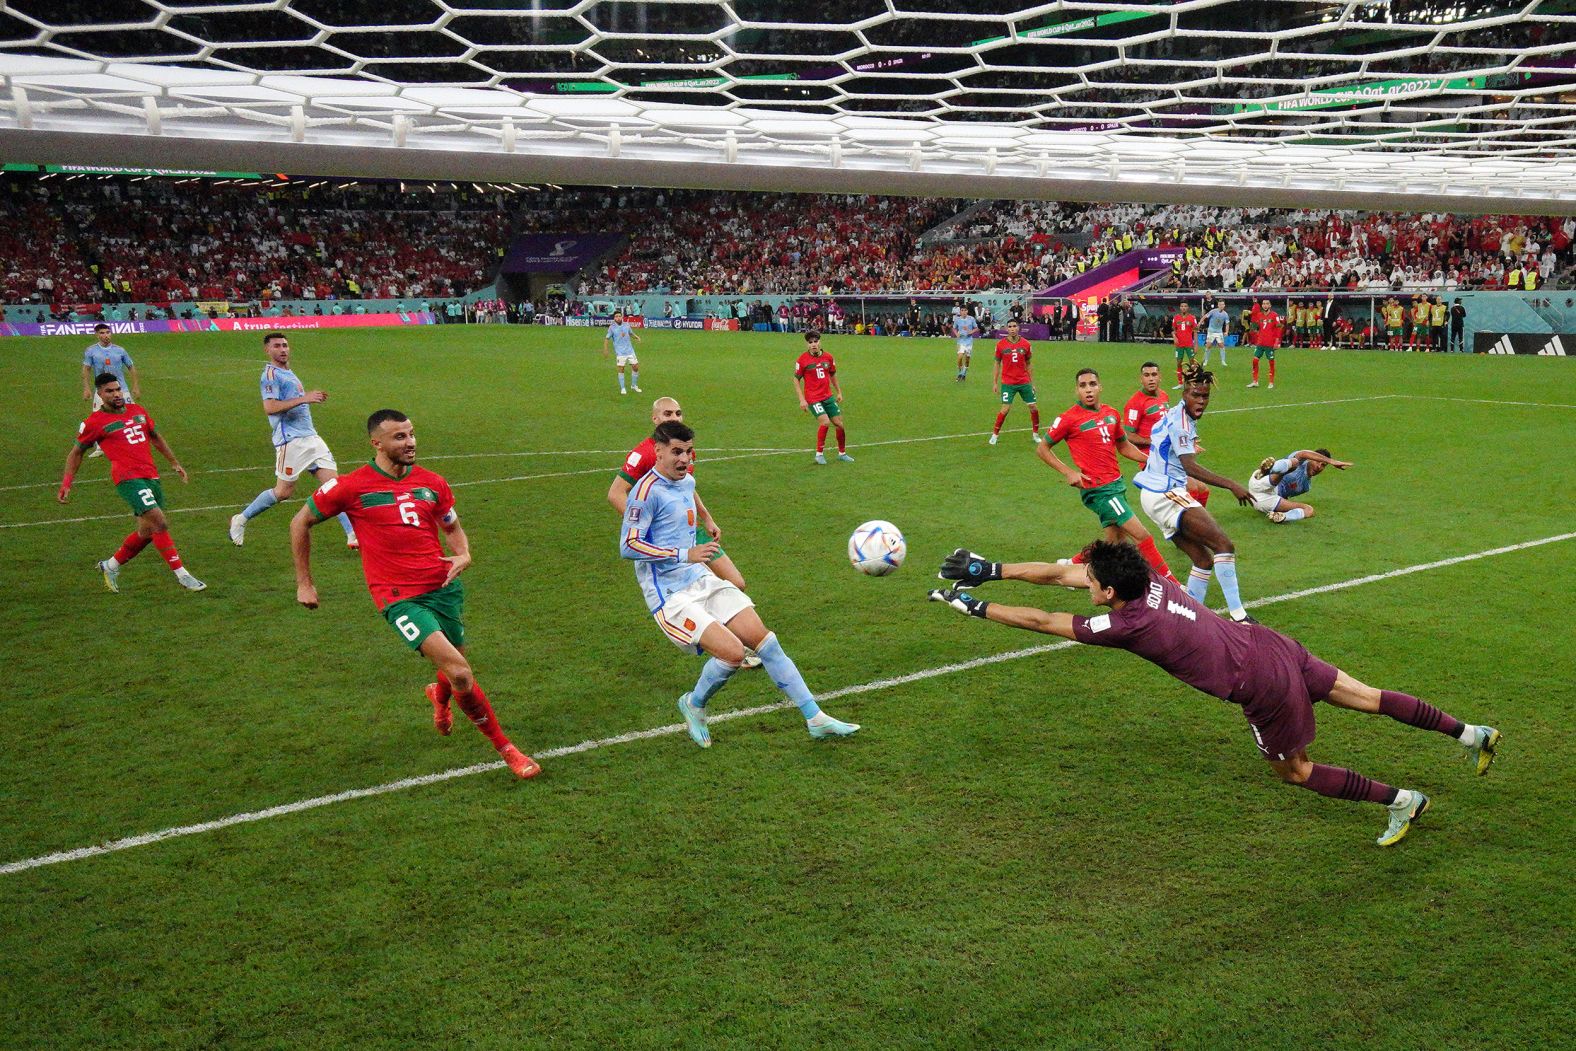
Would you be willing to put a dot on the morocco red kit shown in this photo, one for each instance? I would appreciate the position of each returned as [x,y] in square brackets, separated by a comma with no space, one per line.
[641,459]
[1269,330]
[1141,414]
[817,372]
[1091,436]
[1014,358]
[396,520]
[1185,328]
[123,436]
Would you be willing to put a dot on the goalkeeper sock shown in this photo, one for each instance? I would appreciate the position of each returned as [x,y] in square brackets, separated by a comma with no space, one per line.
[262,502]
[1404,708]
[713,675]
[785,674]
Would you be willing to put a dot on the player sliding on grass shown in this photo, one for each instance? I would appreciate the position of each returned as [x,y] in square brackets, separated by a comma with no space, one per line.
[397,509]
[1273,678]
[1094,436]
[124,430]
[698,611]
[1276,481]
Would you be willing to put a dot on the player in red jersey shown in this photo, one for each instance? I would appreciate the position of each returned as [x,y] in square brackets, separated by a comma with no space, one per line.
[1184,332]
[125,430]
[1274,679]
[1013,380]
[1094,437]
[1266,337]
[815,381]
[1143,409]
[397,508]
[641,459]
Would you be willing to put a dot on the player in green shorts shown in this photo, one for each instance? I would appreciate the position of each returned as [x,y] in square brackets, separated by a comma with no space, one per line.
[430,612]
[1109,503]
[141,494]
[1022,391]
[1014,380]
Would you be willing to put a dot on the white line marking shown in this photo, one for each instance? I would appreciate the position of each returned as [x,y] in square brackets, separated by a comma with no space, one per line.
[608,470]
[1485,401]
[178,831]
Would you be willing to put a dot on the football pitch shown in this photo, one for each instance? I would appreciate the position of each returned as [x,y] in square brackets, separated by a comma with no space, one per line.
[1028,844]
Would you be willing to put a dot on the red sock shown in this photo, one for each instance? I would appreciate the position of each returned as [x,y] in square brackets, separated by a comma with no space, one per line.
[1152,555]
[1272,370]
[1255,370]
[1179,373]
[476,708]
[129,548]
[1001,417]
[1078,559]
[445,689]
[842,441]
[1034,418]
[166,546]
[820,439]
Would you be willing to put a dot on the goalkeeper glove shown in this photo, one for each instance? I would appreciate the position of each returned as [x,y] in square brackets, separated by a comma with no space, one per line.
[969,568]
[961,601]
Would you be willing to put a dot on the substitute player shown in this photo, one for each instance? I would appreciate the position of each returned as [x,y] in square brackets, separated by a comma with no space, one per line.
[125,430]
[297,448]
[699,611]
[1394,322]
[815,381]
[1276,481]
[1013,380]
[964,329]
[1163,494]
[1217,323]
[1093,432]
[1184,332]
[398,508]
[621,337]
[1273,677]
[1266,337]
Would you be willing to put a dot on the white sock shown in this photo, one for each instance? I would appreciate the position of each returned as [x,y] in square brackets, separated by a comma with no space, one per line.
[112,563]
[1468,735]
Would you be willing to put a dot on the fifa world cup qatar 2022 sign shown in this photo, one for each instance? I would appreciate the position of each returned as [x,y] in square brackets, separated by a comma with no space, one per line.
[556,253]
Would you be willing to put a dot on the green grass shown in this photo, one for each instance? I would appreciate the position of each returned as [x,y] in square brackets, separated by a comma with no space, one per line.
[1066,850]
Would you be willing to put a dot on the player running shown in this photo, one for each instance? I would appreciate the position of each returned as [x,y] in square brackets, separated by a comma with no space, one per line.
[1094,437]
[398,508]
[125,430]
[1266,337]
[621,338]
[1142,411]
[297,448]
[1276,481]
[1217,323]
[699,611]
[815,381]
[105,355]
[1014,381]
[1163,494]
[964,329]
[1273,677]
[1184,332]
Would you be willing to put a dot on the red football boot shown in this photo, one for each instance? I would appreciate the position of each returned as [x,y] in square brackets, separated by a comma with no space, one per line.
[442,717]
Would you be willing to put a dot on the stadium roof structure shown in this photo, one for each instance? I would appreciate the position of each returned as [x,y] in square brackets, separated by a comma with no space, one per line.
[1462,105]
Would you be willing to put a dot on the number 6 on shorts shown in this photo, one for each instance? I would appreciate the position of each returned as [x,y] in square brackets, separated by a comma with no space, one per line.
[406,628]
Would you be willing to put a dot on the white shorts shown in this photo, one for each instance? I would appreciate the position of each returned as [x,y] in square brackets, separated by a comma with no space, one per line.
[300,455]
[1165,509]
[1265,498]
[965,346]
[625,359]
[1215,339]
[686,615]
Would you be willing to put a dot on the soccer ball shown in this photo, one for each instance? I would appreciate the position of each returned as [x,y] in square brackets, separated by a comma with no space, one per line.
[877,548]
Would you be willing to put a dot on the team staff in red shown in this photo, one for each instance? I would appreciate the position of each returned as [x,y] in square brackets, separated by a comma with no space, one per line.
[397,508]
[124,430]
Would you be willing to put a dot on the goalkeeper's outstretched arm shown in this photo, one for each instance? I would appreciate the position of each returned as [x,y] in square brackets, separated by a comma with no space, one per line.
[1025,617]
[971,569]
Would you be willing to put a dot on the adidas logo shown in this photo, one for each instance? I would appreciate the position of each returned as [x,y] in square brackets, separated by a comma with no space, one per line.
[1552,349]
[1502,346]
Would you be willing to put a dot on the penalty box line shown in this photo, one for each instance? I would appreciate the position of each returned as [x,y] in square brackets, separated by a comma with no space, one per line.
[284,809]
[742,455]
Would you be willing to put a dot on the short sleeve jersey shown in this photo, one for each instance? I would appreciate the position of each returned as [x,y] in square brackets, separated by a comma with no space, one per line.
[1172,438]
[281,385]
[112,359]
[619,333]
[965,326]
[1185,328]
[1269,328]
[641,459]
[1142,412]
[1217,320]
[1294,482]
[817,372]
[124,437]
[1014,358]
[396,521]
[1091,436]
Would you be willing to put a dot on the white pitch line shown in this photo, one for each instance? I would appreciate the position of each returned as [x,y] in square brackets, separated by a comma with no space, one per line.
[1485,401]
[284,809]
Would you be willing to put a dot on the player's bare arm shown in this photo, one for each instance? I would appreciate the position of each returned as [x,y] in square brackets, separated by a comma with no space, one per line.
[618,494]
[459,544]
[798,386]
[69,475]
[1196,470]
[274,406]
[607,347]
[1075,478]
[706,520]
[163,446]
[136,382]
[301,553]
[1130,449]
[971,569]
[1314,456]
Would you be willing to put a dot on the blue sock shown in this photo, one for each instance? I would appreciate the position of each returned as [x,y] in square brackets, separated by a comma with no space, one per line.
[713,675]
[786,675]
[1226,573]
[263,502]
[620,381]
[634,377]
[344,520]
[1198,584]
[1296,514]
